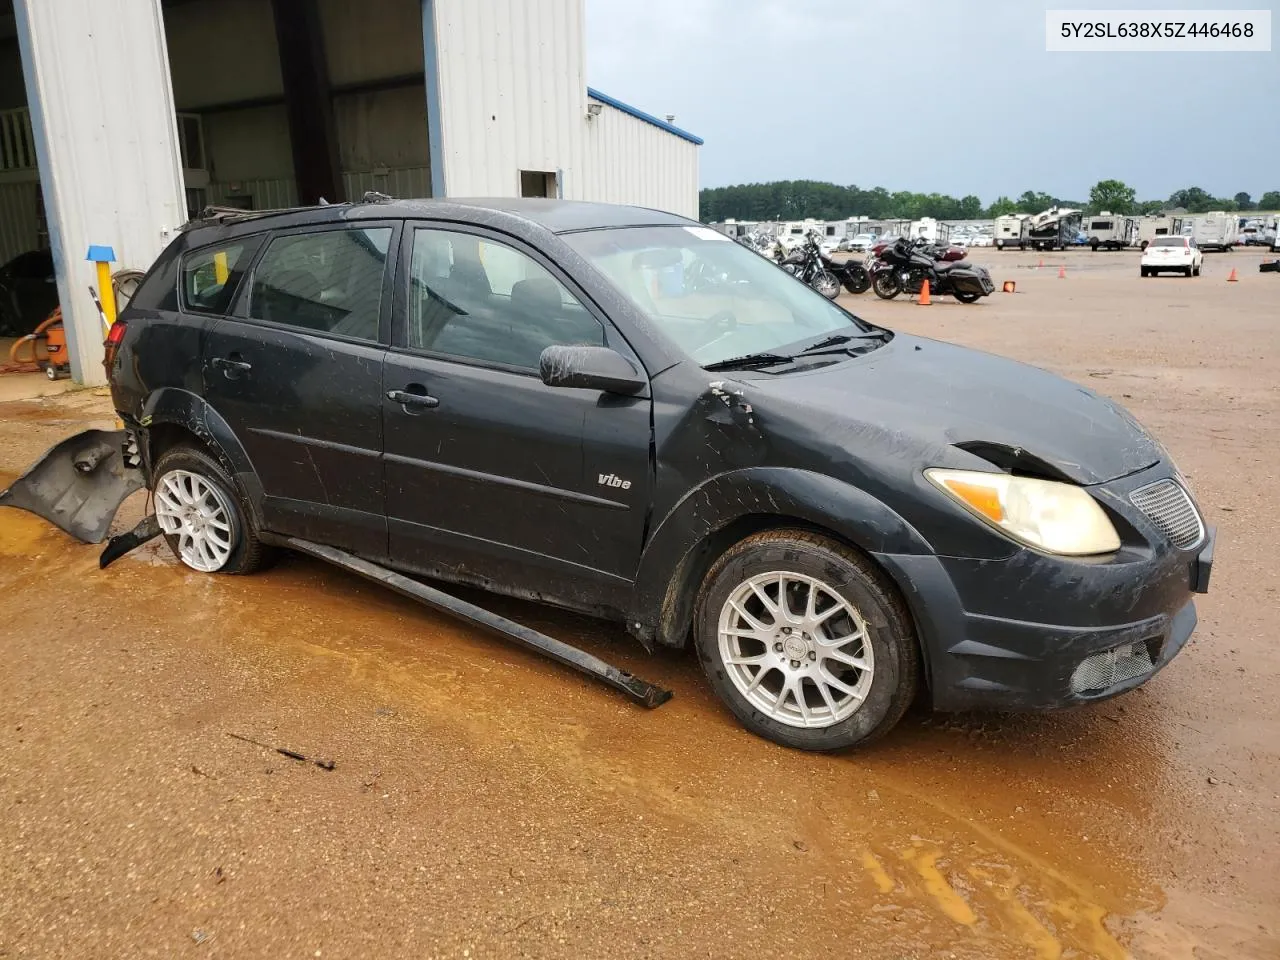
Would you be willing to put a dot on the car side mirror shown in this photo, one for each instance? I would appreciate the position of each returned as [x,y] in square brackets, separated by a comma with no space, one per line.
[589,368]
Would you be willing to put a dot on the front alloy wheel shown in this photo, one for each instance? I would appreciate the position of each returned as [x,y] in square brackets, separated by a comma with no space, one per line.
[806,641]
[795,649]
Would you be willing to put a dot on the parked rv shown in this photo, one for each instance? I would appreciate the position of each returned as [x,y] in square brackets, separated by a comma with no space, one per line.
[930,229]
[1157,225]
[1054,229]
[1108,231]
[1011,231]
[1214,231]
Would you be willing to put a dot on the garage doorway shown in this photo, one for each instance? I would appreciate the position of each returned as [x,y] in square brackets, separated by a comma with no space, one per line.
[538,183]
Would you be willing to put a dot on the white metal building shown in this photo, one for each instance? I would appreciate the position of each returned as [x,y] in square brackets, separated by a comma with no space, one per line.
[138,113]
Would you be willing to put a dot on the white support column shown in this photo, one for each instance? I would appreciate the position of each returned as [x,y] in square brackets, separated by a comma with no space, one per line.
[97,75]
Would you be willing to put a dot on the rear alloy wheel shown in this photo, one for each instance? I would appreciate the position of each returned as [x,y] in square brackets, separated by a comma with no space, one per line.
[201,516]
[805,642]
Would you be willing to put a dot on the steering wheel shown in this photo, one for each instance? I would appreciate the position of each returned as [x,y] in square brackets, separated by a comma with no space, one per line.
[725,323]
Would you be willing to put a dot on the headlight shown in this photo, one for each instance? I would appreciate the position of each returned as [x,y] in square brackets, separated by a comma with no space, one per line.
[1055,517]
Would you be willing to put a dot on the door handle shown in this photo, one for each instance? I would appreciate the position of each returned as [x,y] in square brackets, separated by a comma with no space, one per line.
[231,366]
[411,397]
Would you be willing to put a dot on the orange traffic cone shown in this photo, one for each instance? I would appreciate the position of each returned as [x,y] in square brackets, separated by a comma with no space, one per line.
[1041,264]
[1010,286]
[1062,272]
[924,295]
[1232,278]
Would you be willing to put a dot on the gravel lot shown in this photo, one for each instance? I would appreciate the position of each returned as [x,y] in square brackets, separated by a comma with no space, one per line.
[484,803]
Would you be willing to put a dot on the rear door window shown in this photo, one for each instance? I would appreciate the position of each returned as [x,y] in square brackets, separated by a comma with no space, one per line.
[328,281]
[211,275]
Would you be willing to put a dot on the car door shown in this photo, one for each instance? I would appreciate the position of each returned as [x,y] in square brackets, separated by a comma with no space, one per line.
[492,476]
[296,373]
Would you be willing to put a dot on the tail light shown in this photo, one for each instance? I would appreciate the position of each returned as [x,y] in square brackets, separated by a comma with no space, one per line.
[115,336]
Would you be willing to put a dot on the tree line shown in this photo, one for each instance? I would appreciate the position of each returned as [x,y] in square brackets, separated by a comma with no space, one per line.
[802,199]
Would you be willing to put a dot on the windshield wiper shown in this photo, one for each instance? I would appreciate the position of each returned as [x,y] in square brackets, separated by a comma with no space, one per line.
[837,339]
[749,360]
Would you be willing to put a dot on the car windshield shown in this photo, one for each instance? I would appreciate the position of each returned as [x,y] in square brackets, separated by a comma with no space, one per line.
[712,297]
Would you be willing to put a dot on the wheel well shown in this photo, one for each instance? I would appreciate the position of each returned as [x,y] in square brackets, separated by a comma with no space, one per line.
[165,436]
[686,583]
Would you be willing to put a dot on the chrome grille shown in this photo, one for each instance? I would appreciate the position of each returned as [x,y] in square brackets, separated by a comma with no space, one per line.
[1168,505]
[1106,669]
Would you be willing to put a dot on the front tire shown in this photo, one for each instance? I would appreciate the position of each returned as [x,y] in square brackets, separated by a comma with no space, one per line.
[806,642]
[826,284]
[886,286]
[202,516]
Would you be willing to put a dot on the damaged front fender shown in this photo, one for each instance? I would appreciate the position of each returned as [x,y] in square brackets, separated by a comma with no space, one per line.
[79,484]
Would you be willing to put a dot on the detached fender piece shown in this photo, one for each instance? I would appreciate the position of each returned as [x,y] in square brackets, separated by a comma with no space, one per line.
[79,484]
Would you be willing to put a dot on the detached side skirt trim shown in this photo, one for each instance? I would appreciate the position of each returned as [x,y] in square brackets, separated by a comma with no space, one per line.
[641,691]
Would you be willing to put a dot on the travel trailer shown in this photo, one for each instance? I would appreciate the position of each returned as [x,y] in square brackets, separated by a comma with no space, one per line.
[1055,229]
[1011,231]
[1157,225]
[930,229]
[1107,231]
[1214,231]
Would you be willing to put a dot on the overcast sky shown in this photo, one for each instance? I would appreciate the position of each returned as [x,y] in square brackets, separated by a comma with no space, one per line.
[953,96]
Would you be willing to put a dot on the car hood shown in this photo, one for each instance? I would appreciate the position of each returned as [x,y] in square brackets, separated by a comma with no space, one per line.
[940,394]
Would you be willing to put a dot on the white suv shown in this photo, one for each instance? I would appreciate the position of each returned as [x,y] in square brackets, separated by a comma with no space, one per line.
[1172,255]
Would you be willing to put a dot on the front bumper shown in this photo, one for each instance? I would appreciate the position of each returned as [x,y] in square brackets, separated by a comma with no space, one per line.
[1035,632]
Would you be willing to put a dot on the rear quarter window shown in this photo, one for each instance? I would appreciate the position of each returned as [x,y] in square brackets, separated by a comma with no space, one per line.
[209,276]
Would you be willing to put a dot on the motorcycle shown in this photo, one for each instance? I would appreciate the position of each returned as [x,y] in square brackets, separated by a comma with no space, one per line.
[939,251]
[808,265]
[905,266]
[852,274]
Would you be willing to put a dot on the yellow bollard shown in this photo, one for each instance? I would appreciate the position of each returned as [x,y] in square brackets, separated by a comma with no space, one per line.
[102,258]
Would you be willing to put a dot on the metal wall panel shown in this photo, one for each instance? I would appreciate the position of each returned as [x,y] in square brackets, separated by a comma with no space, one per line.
[119,183]
[512,92]
[629,160]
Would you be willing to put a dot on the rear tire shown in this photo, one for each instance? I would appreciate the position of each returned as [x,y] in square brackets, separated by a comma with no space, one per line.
[861,701]
[186,473]
[859,282]
[966,297]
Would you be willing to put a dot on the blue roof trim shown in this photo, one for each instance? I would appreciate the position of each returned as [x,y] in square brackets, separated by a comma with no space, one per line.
[641,115]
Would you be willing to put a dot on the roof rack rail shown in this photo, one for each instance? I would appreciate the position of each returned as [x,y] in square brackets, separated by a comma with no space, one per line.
[213,213]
